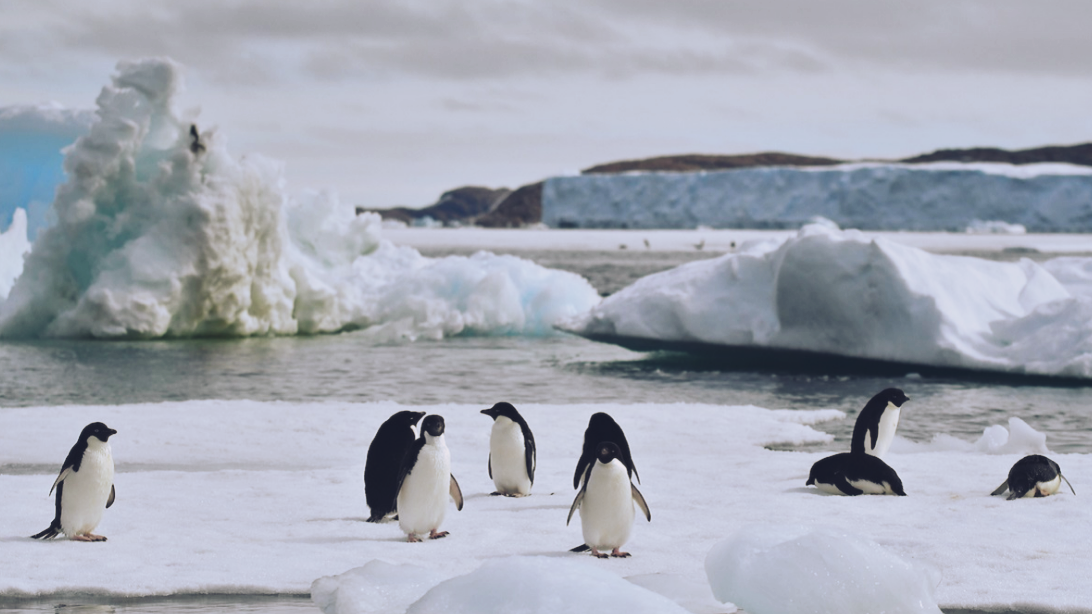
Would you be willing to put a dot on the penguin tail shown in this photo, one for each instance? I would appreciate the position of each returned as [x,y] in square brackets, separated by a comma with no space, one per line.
[580,548]
[53,531]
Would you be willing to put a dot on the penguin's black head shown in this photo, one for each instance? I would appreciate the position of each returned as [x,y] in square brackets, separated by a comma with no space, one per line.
[433,425]
[408,418]
[893,396]
[606,451]
[97,430]
[501,409]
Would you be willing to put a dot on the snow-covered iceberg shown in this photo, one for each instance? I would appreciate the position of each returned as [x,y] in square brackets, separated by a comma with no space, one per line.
[939,196]
[837,293]
[161,232]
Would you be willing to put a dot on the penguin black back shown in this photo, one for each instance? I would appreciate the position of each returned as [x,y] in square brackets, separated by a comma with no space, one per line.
[843,471]
[601,427]
[867,428]
[385,456]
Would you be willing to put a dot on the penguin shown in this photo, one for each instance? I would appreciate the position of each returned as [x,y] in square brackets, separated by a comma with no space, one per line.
[196,146]
[511,452]
[424,483]
[855,473]
[1033,476]
[385,454]
[85,486]
[877,422]
[606,503]
[601,427]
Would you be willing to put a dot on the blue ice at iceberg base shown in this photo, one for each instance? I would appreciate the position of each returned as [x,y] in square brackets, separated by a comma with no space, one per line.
[155,237]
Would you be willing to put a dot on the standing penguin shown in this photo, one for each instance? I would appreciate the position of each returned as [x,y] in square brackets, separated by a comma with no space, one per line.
[877,422]
[85,486]
[425,482]
[511,452]
[601,427]
[1033,476]
[385,454]
[606,503]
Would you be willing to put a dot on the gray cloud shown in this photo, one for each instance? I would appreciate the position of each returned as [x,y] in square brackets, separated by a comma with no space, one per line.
[256,40]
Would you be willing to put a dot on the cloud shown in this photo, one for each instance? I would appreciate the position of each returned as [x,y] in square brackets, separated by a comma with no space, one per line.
[332,40]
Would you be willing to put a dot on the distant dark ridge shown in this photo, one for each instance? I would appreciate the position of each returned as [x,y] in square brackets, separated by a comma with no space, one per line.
[1072,154]
[458,205]
[702,162]
[520,208]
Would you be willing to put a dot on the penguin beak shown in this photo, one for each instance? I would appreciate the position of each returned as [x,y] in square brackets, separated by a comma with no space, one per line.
[489,412]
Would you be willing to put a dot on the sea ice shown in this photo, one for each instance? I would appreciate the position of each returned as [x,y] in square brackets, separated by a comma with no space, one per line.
[788,569]
[541,585]
[160,233]
[1019,438]
[839,292]
[378,587]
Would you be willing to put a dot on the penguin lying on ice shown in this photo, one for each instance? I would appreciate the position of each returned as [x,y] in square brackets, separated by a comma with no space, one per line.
[425,482]
[511,452]
[1033,476]
[85,486]
[384,464]
[606,503]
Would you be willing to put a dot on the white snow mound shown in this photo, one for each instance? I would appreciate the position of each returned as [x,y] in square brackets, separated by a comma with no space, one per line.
[541,585]
[790,569]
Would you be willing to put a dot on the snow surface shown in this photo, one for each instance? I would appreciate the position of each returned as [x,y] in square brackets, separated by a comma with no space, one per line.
[947,196]
[836,292]
[784,569]
[156,237]
[261,498]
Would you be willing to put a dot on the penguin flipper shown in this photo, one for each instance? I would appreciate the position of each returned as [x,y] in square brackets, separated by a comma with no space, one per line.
[640,499]
[529,453]
[456,494]
[576,504]
[1067,483]
[110,501]
[1015,495]
[842,484]
[490,465]
[60,478]
[1000,489]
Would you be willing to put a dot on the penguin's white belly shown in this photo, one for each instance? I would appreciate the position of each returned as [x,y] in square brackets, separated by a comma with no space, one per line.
[422,500]
[828,488]
[508,458]
[871,488]
[889,423]
[606,513]
[1045,488]
[85,492]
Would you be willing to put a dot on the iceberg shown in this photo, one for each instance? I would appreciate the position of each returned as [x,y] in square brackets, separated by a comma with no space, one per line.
[871,196]
[13,246]
[825,293]
[161,232]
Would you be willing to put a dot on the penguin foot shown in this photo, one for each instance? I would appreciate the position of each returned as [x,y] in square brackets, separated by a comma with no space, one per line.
[618,554]
[599,555]
[87,538]
[413,539]
[516,494]
[434,535]
[96,538]
[495,494]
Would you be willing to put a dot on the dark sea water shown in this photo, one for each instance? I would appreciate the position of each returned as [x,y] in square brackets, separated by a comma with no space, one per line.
[556,369]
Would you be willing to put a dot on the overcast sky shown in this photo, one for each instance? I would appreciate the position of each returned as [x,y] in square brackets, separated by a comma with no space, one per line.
[391,102]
